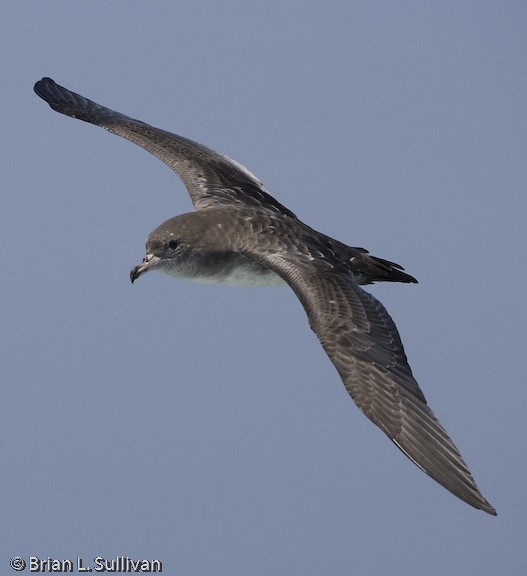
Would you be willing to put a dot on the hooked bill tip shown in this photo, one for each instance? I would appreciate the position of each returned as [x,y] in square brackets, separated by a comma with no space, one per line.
[134,274]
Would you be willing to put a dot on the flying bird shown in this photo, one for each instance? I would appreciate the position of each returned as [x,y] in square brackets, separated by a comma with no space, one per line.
[239,234]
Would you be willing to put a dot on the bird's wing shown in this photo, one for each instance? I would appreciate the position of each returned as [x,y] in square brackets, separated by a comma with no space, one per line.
[362,341]
[211,178]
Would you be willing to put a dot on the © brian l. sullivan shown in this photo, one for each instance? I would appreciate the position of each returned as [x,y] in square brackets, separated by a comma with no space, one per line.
[239,234]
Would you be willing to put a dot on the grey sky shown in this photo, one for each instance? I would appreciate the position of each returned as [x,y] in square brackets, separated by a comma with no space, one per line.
[204,425]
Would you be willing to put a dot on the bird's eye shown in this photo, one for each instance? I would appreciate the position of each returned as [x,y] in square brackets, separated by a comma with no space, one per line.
[173,244]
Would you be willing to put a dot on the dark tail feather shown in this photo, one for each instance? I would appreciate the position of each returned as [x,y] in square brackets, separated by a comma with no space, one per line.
[370,269]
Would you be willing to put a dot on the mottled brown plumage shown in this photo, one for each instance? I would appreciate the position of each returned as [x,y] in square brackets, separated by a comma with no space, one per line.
[239,234]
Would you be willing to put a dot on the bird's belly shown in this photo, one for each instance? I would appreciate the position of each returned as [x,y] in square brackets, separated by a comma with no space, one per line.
[232,269]
[244,276]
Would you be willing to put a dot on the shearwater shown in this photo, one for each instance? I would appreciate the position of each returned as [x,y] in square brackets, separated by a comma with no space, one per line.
[239,234]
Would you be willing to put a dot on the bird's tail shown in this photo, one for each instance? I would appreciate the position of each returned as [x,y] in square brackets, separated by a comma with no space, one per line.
[369,269]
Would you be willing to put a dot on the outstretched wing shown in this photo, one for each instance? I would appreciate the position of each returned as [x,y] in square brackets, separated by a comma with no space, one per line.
[361,340]
[211,178]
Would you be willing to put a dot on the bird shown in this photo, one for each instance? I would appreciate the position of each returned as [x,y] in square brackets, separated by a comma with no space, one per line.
[239,234]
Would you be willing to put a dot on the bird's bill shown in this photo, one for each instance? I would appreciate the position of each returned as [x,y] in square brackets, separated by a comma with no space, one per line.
[149,262]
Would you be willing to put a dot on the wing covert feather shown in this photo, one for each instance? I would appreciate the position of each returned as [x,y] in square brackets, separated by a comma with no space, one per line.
[363,343]
[212,179]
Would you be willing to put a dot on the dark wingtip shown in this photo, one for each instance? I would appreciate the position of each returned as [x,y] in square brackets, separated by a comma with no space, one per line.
[43,86]
[489,509]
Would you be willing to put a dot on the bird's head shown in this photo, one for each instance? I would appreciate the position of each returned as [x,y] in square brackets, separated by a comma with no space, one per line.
[169,248]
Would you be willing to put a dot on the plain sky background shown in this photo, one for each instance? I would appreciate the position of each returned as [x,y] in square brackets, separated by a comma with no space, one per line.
[204,425]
